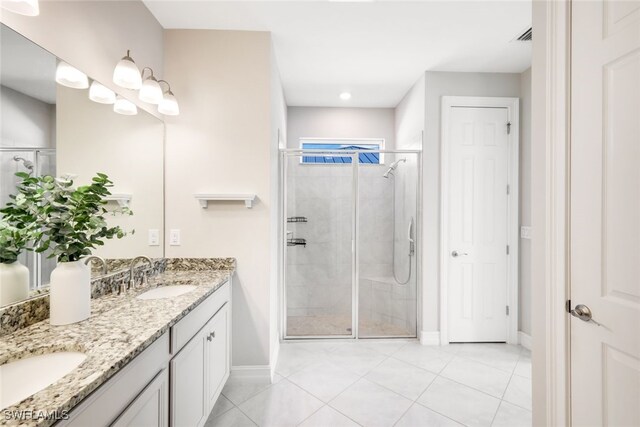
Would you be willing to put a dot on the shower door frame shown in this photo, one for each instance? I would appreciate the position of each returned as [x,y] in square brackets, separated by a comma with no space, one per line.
[284,154]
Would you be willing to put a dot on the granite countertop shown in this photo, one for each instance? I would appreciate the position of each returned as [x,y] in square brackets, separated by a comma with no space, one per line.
[120,328]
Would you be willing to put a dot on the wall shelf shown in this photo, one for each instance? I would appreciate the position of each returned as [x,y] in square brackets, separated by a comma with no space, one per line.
[122,199]
[204,199]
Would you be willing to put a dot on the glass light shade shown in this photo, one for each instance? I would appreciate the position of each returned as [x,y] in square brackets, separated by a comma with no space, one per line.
[169,105]
[101,94]
[151,91]
[124,106]
[23,7]
[126,74]
[71,77]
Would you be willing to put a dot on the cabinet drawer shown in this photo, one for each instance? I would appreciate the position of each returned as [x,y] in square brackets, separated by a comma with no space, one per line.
[187,327]
[151,407]
[105,404]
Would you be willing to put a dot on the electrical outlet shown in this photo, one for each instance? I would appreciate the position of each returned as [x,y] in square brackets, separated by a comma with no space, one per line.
[174,237]
[525,232]
[154,237]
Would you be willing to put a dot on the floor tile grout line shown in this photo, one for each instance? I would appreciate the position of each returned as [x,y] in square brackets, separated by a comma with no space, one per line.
[440,413]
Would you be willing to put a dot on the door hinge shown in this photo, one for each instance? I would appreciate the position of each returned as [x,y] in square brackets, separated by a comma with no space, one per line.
[567,306]
[507,249]
[508,189]
[508,128]
[507,310]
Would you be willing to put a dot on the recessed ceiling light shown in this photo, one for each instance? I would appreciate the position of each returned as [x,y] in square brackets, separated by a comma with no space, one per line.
[345,96]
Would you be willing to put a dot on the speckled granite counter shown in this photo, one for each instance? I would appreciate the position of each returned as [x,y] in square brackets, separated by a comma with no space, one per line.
[120,328]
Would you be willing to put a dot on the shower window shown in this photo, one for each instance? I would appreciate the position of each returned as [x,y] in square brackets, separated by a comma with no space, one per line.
[368,150]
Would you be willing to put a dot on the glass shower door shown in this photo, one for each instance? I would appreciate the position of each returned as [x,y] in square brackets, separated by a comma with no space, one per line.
[319,225]
[387,271]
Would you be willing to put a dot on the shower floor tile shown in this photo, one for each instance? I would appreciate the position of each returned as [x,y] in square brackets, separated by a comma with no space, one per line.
[336,325]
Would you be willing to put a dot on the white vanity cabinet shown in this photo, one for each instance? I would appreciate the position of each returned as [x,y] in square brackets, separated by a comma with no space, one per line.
[199,371]
[174,382]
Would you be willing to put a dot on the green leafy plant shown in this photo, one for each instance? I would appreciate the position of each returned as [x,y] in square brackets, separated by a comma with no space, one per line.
[19,220]
[71,221]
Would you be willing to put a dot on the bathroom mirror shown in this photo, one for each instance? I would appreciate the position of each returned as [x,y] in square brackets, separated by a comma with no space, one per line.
[50,129]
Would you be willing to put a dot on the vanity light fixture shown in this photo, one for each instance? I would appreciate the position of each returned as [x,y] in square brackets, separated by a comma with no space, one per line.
[101,94]
[169,104]
[345,96]
[69,76]
[22,7]
[150,91]
[126,74]
[125,107]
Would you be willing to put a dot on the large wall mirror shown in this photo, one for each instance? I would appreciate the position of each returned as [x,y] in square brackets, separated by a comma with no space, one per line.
[50,129]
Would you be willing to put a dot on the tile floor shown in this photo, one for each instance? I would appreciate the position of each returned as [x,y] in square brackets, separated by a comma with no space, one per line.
[384,383]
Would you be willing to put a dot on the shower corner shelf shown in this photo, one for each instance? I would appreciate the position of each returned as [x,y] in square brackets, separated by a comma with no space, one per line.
[204,199]
[122,199]
[297,242]
[297,219]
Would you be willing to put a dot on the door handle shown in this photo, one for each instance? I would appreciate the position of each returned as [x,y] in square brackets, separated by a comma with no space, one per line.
[583,313]
[456,254]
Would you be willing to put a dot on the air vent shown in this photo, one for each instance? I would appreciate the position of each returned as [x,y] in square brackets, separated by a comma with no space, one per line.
[526,36]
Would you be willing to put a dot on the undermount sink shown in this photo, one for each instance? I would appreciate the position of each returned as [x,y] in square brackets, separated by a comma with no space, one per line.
[27,376]
[167,292]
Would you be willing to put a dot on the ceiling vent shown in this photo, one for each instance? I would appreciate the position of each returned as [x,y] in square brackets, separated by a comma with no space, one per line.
[526,36]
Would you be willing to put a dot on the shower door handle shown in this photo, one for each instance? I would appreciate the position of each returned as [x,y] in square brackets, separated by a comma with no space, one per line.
[456,254]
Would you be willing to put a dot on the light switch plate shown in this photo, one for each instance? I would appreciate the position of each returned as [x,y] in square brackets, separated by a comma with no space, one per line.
[174,237]
[525,232]
[154,237]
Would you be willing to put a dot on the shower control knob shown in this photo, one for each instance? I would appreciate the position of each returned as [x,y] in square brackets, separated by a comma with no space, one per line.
[456,254]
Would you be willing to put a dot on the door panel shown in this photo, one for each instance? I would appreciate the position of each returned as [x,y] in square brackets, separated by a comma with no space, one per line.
[477,218]
[605,212]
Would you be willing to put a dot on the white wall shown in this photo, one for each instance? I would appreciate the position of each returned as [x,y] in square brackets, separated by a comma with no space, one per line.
[129,149]
[321,122]
[410,117]
[222,143]
[93,36]
[26,121]
[525,201]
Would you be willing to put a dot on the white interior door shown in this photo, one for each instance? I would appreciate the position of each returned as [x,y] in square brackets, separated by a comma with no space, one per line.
[605,212]
[477,224]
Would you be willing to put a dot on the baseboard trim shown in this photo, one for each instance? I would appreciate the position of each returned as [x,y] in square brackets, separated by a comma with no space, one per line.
[525,340]
[256,371]
[429,338]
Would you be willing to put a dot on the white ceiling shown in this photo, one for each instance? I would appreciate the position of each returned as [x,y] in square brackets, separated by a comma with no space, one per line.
[375,50]
[26,67]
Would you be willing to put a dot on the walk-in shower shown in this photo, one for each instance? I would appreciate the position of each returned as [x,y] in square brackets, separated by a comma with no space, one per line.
[350,234]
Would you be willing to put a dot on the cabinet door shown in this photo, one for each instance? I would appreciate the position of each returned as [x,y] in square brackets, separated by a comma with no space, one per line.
[188,405]
[151,407]
[217,369]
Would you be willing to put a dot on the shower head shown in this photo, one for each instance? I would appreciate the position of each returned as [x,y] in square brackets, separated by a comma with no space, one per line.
[26,163]
[393,167]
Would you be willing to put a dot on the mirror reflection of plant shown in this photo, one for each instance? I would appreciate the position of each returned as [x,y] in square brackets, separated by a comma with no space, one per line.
[71,221]
[19,228]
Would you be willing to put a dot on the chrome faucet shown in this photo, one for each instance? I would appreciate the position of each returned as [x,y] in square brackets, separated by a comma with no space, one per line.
[90,258]
[132,280]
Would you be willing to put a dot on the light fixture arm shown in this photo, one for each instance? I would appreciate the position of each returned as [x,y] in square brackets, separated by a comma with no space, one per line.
[168,86]
[151,76]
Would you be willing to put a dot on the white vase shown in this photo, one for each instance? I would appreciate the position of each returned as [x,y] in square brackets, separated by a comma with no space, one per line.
[14,283]
[70,293]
